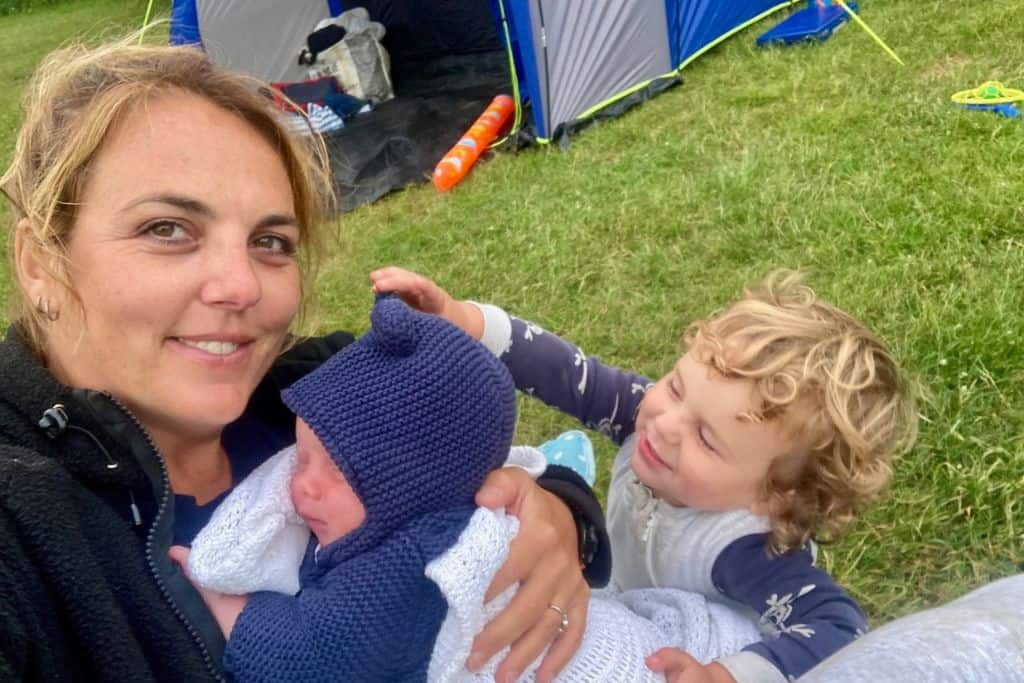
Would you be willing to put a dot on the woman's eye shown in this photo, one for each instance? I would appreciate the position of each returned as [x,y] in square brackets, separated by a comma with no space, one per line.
[275,243]
[167,231]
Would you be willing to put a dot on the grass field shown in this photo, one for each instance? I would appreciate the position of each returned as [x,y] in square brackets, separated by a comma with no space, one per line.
[904,209]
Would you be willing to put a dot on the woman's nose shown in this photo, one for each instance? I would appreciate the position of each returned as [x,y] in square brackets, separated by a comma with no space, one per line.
[231,278]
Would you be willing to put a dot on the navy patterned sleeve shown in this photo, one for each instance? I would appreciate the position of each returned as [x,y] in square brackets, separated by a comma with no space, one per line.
[558,373]
[807,614]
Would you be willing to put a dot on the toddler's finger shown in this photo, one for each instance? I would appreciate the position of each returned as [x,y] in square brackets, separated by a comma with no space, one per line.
[391,278]
[671,662]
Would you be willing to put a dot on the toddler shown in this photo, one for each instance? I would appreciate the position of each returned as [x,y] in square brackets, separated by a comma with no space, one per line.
[774,427]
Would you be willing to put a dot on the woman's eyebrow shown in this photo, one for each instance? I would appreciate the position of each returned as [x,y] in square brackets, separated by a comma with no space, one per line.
[184,203]
[277,219]
[197,207]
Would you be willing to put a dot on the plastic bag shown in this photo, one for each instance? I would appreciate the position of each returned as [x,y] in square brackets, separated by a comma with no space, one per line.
[358,62]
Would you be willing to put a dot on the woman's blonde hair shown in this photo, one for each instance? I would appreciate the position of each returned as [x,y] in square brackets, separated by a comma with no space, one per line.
[74,99]
[833,388]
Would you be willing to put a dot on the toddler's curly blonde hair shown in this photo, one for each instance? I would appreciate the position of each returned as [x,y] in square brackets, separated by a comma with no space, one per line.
[830,384]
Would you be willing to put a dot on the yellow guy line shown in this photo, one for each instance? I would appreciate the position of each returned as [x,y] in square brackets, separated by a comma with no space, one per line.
[856,18]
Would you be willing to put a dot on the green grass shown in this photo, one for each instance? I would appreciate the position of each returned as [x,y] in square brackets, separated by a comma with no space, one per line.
[24,6]
[906,211]
[26,37]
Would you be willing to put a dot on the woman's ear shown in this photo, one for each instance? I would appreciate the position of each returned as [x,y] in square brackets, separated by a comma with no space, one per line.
[30,262]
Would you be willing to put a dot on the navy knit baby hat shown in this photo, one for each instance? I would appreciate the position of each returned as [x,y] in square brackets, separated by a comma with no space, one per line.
[415,414]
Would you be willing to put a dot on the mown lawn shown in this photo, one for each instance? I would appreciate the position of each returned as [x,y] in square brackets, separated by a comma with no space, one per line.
[904,209]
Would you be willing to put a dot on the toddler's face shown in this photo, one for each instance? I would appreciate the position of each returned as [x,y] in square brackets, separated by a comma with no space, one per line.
[320,492]
[692,448]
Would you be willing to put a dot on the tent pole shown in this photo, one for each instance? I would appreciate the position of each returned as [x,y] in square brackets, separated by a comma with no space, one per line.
[145,21]
[518,119]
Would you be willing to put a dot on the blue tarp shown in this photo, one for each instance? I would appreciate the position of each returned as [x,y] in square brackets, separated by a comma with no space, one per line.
[695,24]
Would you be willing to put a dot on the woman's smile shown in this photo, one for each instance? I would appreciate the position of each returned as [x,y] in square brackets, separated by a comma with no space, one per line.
[214,350]
[217,348]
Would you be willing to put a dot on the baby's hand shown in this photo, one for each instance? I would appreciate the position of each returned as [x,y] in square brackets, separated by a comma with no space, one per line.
[225,608]
[423,294]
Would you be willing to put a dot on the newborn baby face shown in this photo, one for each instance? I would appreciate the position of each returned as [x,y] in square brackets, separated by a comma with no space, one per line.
[320,492]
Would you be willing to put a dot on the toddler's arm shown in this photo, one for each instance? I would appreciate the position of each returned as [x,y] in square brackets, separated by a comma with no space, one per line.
[810,615]
[547,367]
[542,364]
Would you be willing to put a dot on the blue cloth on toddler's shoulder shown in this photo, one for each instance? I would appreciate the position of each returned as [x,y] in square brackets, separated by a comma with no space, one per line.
[572,449]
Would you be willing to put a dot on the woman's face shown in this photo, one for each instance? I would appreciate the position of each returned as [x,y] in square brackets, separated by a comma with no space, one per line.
[183,256]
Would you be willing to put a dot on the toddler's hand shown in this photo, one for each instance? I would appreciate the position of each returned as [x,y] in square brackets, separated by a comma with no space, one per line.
[679,667]
[225,608]
[423,294]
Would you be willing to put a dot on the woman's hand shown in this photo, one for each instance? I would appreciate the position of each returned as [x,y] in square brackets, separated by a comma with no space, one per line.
[423,294]
[224,607]
[544,558]
[680,667]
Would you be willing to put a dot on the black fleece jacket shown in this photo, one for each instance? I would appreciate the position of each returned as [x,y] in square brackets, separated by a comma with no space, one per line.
[87,591]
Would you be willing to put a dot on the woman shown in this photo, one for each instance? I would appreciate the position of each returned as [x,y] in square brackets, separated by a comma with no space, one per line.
[165,231]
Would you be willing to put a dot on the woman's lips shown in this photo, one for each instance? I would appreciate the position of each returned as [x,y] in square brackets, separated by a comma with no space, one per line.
[648,453]
[213,353]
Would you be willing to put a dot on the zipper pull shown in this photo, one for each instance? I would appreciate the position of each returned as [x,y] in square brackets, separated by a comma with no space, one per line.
[54,420]
[649,523]
[136,515]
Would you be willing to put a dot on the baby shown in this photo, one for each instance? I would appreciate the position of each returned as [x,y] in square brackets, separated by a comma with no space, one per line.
[394,436]
[774,427]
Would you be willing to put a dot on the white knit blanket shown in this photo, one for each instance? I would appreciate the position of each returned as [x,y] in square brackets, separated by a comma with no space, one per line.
[255,541]
[622,628]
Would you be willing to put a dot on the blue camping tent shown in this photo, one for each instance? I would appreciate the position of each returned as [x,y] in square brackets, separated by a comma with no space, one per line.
[567,61]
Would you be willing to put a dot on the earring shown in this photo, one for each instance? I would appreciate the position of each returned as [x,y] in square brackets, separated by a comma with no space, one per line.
[43,306]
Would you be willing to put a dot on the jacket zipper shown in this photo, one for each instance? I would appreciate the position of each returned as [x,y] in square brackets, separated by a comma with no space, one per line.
[649,508]
[161,508]
[649,522]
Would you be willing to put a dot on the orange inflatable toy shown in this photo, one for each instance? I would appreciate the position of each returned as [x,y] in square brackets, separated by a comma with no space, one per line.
[460,158]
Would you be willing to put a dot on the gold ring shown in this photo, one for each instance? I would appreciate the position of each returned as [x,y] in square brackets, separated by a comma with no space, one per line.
[564,625]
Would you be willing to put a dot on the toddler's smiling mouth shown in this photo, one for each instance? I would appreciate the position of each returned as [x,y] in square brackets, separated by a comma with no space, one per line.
[648,453]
